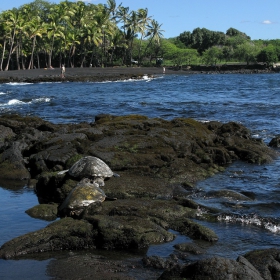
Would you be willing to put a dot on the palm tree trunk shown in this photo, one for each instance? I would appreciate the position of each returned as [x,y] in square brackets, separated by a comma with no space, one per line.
[50,54]
[38,61]
[111,57]
[17,55]
[139,50]
[3,53]
[31,63]
[10,52]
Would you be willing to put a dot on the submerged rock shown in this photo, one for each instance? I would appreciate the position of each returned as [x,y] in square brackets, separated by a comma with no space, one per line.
[228,194]
[189,248]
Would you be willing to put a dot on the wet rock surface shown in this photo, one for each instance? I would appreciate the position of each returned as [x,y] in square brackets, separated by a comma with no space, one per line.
[159,163]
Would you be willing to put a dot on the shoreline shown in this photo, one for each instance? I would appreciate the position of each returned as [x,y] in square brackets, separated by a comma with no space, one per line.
[97,74]
[77,74]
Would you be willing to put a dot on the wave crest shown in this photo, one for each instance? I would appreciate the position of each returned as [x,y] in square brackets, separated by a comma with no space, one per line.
[267,223]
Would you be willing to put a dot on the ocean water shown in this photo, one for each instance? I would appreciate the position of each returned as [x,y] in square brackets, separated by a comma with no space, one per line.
[253,100]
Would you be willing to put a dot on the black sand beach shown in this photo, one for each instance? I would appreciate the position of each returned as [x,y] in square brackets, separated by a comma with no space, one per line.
[78,74]
[98,74]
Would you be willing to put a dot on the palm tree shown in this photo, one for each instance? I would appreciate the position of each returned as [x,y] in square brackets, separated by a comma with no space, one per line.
[132,30]
[55,29]
[5,35]
[111,7]
[154,33]
[122,15]
[11,24]
[118,41]
[78,23]
[34,30]
[75,29]
[27,19]
[144,21]
[106,27]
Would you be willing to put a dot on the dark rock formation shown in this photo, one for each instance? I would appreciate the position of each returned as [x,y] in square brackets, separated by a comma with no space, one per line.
[255,265]
[189,247]
[46,212]
[64,234]
[267,262]
[159,163]
[275,142]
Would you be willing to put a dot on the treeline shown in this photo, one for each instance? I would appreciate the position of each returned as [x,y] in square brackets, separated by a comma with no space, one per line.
[41,34]
[211,47]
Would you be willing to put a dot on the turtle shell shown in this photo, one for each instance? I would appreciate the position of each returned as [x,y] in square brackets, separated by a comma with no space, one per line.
[82,196]
[90,166]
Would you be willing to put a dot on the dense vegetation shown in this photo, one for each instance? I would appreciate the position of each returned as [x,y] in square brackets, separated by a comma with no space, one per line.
[42,34]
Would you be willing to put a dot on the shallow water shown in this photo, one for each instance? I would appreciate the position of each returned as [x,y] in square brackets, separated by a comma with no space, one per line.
[253,100]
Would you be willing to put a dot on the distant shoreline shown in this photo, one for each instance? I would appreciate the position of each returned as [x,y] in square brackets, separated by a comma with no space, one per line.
[116,73]
[77,74]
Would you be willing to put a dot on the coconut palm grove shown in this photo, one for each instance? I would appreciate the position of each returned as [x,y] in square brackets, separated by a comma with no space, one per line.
[45,35]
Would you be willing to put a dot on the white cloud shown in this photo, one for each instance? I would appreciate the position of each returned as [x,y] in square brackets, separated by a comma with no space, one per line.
[267,22]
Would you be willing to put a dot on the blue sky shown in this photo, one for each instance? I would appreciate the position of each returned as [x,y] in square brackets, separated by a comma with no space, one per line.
[259,19]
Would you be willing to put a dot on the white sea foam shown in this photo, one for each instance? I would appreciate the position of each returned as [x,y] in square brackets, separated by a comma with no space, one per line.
[271,227]
[15,102]
[145,78]
[41,100]
[19,84]
[251,220]
[41,83]
[2,93]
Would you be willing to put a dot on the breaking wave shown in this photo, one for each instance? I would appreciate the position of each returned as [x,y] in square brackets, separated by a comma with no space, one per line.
[267,223]
[15,102]
[18,84]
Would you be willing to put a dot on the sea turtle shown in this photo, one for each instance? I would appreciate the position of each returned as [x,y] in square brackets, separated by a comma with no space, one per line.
[85,193]
[91,167]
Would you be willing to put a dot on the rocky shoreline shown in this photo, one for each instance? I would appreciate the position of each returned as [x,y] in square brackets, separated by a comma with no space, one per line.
[159,163]
[122,73]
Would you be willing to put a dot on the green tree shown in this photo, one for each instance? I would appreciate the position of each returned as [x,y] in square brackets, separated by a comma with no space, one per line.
[212,56]
[268,55]
[154,35]
[34,30]
[55,29]
[228,53]
[232,32]
[5,34]
[144,21]
[186,38]
[133,27]
[246,52]
[12,18]
[184,56]
[202,39]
